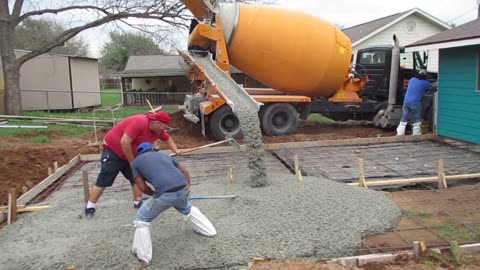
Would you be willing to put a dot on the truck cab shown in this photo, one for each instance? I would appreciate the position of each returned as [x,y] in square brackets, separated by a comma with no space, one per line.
[376,63]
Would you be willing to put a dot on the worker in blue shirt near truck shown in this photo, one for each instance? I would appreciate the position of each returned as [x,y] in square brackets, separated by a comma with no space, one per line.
[412,103]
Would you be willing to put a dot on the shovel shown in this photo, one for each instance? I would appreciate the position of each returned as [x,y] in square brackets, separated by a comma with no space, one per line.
[230,140]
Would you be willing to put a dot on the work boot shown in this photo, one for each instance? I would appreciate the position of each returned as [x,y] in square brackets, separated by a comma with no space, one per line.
[89,211]
[417,128]
[401,128]
[137,205]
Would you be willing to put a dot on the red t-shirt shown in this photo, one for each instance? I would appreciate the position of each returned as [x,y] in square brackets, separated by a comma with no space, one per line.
[136,127]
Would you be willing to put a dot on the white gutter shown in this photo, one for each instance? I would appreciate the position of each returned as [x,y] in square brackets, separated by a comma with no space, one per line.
[444,45]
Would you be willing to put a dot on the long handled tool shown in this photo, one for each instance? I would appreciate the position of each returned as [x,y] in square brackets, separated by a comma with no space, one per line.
[213,197]
[230,140]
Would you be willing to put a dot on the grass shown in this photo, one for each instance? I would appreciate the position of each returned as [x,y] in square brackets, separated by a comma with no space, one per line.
[40,139]
[414,213]
[111,96]
[460,233]
[72,131]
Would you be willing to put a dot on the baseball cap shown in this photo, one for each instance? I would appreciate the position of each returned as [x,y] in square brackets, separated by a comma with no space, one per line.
[422,72]
[160,116]
[144,147]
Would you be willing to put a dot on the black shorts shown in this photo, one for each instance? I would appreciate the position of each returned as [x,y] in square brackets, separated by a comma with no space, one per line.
[111,166]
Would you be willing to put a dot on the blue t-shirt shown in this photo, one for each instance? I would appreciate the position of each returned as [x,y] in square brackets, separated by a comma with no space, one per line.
[416,89]
[160,170]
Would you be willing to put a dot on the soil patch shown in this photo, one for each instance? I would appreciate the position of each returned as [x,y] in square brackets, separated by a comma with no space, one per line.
[26,164]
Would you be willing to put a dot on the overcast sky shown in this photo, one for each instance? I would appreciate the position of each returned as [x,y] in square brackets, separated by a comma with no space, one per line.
[346,13]
[352,12]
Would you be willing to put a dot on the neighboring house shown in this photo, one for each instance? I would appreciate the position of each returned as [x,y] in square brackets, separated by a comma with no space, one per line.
[458,109]
[408,26]
[162,79]
[57,82]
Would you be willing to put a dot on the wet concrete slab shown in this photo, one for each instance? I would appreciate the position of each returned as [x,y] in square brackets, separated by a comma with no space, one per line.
[338,163]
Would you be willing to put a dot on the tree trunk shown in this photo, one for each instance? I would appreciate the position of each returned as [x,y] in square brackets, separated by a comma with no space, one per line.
[11,70]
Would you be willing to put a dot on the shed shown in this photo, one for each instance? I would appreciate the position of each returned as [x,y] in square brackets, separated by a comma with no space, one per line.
[58,82]
[409,26]
[458,112]
[162,80]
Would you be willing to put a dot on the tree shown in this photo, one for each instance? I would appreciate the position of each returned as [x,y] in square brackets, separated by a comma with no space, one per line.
[115,53]
[93,13]
[32,34]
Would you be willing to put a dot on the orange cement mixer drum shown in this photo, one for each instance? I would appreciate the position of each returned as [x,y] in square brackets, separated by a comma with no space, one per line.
[287,50]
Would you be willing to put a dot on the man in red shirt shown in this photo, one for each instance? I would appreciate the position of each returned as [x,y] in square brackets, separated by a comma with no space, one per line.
[120,148]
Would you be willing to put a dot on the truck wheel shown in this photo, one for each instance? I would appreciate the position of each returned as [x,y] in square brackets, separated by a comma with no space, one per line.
[222,122]
[279,119]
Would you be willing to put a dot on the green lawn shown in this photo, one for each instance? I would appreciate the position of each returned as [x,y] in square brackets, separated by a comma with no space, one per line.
[64,129]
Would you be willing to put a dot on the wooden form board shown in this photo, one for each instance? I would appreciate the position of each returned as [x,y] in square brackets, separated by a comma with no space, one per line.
[359,261]
[25,198]
[293,145]
[418,180]
[65,120]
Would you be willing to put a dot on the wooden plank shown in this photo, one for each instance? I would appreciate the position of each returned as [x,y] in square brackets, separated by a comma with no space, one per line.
[419,180]
[86,189]
[25,208]
[376,258]
[470,249]
[25,198]
[90,157]
[54,119]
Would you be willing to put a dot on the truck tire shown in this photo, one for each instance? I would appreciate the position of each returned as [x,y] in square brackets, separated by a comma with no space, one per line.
[224,122]
[279,119]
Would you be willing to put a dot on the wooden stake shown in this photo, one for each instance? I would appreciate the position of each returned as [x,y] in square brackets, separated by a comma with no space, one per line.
[297,168]
[50,171]
[419,248]
[12,206]
[55,166]
[455,250]
[361,182]
[442,183]
[230,174]
[86,190]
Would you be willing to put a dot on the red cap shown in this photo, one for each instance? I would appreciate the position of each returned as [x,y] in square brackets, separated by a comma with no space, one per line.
[159,116]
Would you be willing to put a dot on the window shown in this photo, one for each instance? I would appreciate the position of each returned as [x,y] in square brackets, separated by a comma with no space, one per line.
[373,58]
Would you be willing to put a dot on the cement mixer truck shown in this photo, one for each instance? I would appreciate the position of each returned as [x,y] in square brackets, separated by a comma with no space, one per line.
[303,60]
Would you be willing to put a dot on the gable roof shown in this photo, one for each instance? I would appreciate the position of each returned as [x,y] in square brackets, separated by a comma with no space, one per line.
[364,31]
[152,65]
[462,35]
[155,65]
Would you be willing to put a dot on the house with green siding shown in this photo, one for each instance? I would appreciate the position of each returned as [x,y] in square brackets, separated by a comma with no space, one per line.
[458,102]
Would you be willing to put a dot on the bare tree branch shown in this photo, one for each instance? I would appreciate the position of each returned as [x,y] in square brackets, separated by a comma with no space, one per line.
[56,11]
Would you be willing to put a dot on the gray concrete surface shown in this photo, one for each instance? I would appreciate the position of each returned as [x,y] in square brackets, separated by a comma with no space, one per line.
[316,218]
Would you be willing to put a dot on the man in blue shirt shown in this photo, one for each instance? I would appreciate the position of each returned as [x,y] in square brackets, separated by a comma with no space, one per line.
[171,188]
[412,103]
